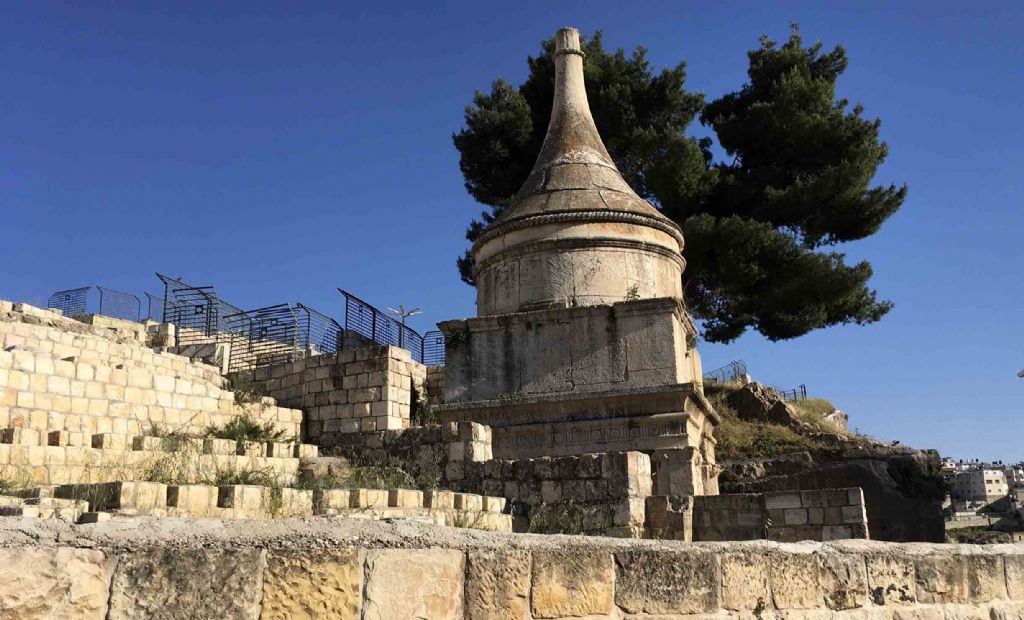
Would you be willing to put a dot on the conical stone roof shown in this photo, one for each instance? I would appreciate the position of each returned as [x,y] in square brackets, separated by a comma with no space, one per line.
[575,234]
[574,172]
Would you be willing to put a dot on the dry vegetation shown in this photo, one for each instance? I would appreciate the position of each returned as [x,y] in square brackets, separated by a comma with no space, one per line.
[740,439]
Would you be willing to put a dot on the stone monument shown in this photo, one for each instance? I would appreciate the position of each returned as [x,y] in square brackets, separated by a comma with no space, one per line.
[582,342]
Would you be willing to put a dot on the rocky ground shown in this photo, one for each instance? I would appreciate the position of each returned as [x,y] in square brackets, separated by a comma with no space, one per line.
[767,444]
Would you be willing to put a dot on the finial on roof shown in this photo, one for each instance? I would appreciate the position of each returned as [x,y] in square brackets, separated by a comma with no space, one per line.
[572,136]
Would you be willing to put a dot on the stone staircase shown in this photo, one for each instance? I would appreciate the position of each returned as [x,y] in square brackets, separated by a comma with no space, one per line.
[84,401]
[89,503]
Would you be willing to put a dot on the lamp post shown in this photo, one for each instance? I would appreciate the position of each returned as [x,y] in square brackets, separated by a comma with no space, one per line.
[403,314]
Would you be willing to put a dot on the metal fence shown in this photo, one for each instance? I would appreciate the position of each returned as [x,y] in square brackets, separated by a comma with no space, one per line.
[261,337]
[107,301]
[318,333]
[433,348]
[372,324]
[797,393]
[733,371]
[196,310]
[72,302]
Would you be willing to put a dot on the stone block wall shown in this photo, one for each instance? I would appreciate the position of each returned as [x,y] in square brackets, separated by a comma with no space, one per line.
[246,574]
[358,390]
[437,455]
[435,384]
[597,493]
[570,350]
[788,516]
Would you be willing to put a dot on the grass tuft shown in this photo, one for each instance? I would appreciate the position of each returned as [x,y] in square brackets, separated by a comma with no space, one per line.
[245,428]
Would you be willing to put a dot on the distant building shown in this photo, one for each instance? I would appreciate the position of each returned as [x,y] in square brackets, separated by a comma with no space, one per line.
[975,488]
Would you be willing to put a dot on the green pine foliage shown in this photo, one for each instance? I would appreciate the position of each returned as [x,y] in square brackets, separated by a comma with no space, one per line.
[760,225]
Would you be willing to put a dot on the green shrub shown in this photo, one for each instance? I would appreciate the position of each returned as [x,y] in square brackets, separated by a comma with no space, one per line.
[359,477]
[229,475]
[245,428]
[246,390]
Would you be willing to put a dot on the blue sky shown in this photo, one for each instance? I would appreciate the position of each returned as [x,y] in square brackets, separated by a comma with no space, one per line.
[277,151]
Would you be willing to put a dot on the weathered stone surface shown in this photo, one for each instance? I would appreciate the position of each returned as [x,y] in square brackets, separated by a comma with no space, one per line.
[795,580]
[297,586]
[52,583]
[498,585]
[666,582]
[918,612]
[744,581]
[965,612]
[187,583]
[414,583]
[844,580]
[941,579]
[571,582]
[1014,576]
[986,579]
[763,404]
[891,580]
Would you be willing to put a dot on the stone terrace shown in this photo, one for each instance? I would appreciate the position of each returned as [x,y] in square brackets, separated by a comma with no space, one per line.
[81,400]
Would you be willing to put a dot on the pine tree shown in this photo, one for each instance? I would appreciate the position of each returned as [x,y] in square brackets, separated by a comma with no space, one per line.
[759,226]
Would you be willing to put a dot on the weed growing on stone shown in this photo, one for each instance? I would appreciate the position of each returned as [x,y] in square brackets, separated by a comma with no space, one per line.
[466,520]
[358,477]
[633,293]
[246,390]
[759,609]
[226,476]
[245,428]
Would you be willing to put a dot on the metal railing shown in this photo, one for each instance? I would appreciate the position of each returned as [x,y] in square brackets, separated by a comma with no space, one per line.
[196,310]
[797,393]
[109,302]
[261,337]
[154,308]
[72,302]
[373,325]
[433,348]
[733,371]
[318,333]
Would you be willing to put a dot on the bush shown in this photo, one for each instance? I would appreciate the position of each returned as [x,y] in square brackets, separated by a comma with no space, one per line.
[246,390]
[740,439]
[245,428]
[359,477]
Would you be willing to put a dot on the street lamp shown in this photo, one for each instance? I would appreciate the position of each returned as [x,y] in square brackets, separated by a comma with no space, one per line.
[403,314]
[1021,374]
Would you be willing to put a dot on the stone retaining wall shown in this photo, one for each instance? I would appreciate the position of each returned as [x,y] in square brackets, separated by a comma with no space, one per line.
[785,516]
[596,493]
[351,391]
[415,575]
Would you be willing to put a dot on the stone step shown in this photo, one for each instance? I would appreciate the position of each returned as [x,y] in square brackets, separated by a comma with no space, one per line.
[122,442]
[141,357]
[56,465]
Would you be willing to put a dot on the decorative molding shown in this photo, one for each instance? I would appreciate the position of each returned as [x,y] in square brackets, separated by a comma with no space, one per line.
[576,217]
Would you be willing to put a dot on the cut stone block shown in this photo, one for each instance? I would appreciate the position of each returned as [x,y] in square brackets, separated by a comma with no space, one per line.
[493,504]
[469,502]
[20,436]
[405,498]
[110,441]
[136,497]
[368,498]
[439,500]
[198,500]
[331,501]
